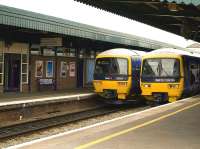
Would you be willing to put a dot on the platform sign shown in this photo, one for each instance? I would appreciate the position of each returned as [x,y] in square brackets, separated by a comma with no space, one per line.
[35,49]
[51,42]
[48,52]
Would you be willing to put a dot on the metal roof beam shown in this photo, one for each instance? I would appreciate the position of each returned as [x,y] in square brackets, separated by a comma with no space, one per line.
[152,6]
[172,15]
[151,11]
[132,1]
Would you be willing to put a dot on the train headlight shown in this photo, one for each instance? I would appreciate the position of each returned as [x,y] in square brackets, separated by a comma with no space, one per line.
[173,86]
[146,85]
[97,82]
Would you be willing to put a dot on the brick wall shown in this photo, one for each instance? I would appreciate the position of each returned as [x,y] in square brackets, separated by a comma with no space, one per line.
[62,82]
[65,82]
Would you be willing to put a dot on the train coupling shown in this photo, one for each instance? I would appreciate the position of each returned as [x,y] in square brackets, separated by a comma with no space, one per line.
[160,98]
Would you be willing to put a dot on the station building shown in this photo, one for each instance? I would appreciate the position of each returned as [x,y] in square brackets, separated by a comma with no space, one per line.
[49,64]
[39,52]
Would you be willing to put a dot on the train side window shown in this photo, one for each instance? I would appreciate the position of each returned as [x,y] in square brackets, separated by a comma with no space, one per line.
[192,66]
[192,78]
[193,73]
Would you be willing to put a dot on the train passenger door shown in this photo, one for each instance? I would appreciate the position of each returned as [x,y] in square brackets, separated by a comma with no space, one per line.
[136,63]
[12,72]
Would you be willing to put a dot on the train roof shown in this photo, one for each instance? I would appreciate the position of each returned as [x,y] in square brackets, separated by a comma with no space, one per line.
[174,52]
[122,51]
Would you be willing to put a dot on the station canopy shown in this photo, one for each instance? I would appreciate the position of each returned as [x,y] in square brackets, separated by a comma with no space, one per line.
[14,17]
[181,17]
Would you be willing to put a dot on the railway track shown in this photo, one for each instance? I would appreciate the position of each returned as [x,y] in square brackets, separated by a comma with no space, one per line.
[19,129]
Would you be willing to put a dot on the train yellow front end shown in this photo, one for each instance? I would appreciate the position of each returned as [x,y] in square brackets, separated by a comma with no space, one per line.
[117,73]
[113,86]
[162,77]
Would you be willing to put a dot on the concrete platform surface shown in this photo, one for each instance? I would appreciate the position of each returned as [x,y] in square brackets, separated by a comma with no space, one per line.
[171,126]
[12,99]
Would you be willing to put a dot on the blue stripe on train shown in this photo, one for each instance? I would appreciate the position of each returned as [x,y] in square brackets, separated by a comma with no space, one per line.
[136,66]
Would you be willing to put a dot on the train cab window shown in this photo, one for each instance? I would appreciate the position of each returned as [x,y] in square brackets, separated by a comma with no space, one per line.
[111,66]
[102,66]
[150,67]
[193,73]
[169,67]
[119,66]
[161,67]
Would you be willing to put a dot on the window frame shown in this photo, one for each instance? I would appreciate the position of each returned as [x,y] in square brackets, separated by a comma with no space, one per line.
[26,67]
[2,72]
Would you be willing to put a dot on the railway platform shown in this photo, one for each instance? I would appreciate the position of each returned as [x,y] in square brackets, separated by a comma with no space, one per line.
[17,99]
[27,107]
[170,126]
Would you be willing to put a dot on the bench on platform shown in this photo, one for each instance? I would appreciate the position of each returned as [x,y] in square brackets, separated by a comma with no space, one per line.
[46,83]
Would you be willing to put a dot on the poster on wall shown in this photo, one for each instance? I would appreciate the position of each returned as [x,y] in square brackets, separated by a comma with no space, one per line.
[49,69]
[72,68]
[63,69]
[38,68]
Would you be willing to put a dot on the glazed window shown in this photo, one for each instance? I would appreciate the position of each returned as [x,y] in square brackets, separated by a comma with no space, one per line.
[111,66]
[161,68]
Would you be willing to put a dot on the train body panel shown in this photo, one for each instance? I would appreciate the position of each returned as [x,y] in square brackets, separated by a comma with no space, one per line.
[167,91]
[192,79]
[108,85]
[165,75]
[117,82]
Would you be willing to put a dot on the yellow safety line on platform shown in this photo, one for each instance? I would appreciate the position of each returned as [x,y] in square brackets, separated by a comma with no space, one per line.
[103,139]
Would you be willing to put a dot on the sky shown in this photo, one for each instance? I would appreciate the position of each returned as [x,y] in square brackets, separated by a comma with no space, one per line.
[78,12]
